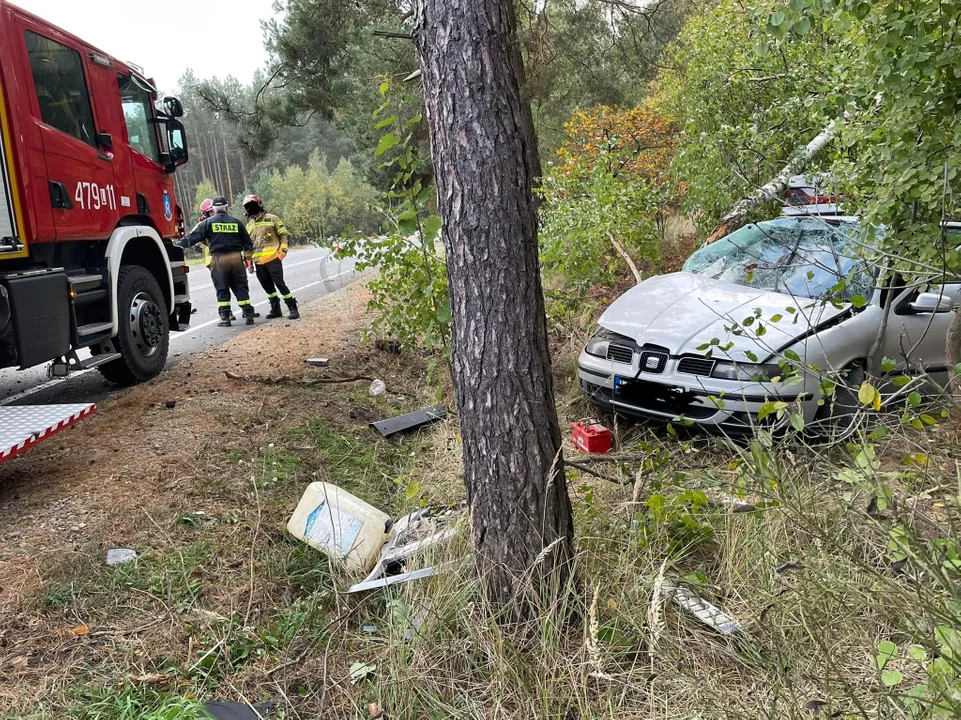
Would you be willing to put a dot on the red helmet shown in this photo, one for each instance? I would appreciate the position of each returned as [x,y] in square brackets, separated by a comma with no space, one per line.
[207,208]
[252,200]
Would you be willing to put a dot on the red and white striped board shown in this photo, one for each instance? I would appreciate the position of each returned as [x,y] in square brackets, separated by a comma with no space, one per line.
[23,426]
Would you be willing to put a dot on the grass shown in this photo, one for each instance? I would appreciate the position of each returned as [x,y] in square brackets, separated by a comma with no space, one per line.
[847,553]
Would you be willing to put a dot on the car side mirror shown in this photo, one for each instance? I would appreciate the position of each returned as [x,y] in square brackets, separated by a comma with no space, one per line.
[929,302]
[105,141]
[173,107]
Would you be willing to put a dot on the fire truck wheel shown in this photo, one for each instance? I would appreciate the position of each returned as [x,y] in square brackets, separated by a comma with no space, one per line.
[144,333]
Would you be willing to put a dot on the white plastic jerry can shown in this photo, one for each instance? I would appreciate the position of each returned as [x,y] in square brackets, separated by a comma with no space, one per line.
[340,525]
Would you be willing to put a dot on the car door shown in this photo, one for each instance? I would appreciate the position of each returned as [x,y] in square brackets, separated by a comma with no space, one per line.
[79,173]
[915,338]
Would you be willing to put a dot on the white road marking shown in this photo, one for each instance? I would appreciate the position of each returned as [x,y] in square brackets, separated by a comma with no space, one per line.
[173,339]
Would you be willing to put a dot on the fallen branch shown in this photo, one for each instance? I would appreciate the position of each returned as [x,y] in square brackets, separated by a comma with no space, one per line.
[738,215]
[627,258]
[591,471]
[265,380]
[395,35]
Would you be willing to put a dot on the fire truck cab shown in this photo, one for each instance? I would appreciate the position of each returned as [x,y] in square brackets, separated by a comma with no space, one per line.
[88,214]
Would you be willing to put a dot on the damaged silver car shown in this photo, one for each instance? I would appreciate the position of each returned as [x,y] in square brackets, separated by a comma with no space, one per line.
[765,315]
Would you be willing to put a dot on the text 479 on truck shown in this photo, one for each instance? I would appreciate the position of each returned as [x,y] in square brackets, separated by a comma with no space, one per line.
[88,214]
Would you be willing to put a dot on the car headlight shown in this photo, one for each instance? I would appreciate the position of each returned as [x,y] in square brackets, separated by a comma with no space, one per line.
[745,372]
[600,340]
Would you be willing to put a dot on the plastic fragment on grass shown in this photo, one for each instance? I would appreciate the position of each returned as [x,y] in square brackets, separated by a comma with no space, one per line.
[411,421]
[120,556]
[708,613]
[317,362]
[237,711]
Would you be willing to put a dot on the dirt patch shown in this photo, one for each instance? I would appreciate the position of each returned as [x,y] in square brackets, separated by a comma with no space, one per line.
[230,455]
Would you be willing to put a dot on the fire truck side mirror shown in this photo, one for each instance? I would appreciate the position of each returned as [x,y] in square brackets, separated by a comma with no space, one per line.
[105,141]
[173,107]
[177,143]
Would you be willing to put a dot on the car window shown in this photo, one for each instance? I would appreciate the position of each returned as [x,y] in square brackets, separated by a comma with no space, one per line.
[138,115]
[61,87]
[801,257]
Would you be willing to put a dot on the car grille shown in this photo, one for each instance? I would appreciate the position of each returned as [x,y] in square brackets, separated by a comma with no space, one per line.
[695,366]
[620,353]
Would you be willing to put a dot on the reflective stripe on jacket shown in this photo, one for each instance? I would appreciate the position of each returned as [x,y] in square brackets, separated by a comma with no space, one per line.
[269,235]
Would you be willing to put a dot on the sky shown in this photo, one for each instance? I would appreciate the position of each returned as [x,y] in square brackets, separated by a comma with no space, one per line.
[213,37]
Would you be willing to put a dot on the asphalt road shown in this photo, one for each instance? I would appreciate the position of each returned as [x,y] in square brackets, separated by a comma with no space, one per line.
[309,273]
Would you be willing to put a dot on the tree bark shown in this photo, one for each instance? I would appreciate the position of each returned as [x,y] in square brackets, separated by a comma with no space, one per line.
[485,161]
[740,212]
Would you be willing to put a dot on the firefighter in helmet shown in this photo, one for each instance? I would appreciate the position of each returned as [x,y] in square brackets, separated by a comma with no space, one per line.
[269,235]
[206,210]
[230,251]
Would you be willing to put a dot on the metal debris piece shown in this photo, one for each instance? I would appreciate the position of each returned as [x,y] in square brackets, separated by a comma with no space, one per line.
[120,556]
[317,362]
[410,535]
[396,579]
[704,611]
[411,421]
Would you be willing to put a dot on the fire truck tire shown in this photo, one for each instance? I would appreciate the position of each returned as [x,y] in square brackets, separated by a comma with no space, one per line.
[143,336]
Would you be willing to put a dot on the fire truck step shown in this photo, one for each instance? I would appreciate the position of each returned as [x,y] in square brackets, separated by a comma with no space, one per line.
[98,360]
[94,329]
[85,282]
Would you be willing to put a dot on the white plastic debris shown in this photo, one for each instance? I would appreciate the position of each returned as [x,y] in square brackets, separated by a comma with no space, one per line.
[704,611]
[378,387]
[317,362]
[120,556]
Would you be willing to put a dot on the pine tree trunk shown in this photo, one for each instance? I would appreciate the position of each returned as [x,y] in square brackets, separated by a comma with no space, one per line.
[485,161]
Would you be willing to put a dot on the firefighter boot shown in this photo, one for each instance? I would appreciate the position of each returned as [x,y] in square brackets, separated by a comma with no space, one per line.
[274,309]
[224,317]
[292,312]
[249,314]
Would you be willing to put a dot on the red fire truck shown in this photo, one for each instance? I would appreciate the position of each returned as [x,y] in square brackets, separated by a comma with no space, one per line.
[88,214]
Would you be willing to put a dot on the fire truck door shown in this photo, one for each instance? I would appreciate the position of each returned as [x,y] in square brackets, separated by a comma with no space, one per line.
[80,173]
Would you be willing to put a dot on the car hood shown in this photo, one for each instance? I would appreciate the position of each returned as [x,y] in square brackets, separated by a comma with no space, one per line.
[683,312]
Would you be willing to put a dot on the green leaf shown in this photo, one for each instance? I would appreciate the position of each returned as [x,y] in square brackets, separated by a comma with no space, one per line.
[431,227]
[776,19]
[957,369]
[384,87]
[901,381]
[776,318]
[412,490]
[917,653]
[386,122]
[750,356]
[443,313]
[791,355]
[888,365]
[890,678]
[386,143]
[858,301]
[886,651]
[867,393]
[914,399]
[797,422]
[802,27]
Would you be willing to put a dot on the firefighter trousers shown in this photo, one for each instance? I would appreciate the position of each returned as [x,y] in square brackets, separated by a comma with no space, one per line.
[271,277]
[227,271]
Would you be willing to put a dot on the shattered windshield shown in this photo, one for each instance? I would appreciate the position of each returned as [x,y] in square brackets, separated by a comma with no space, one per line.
[804,257]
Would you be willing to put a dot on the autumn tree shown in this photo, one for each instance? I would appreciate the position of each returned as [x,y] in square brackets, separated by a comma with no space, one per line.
[605,200]
[486,163]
